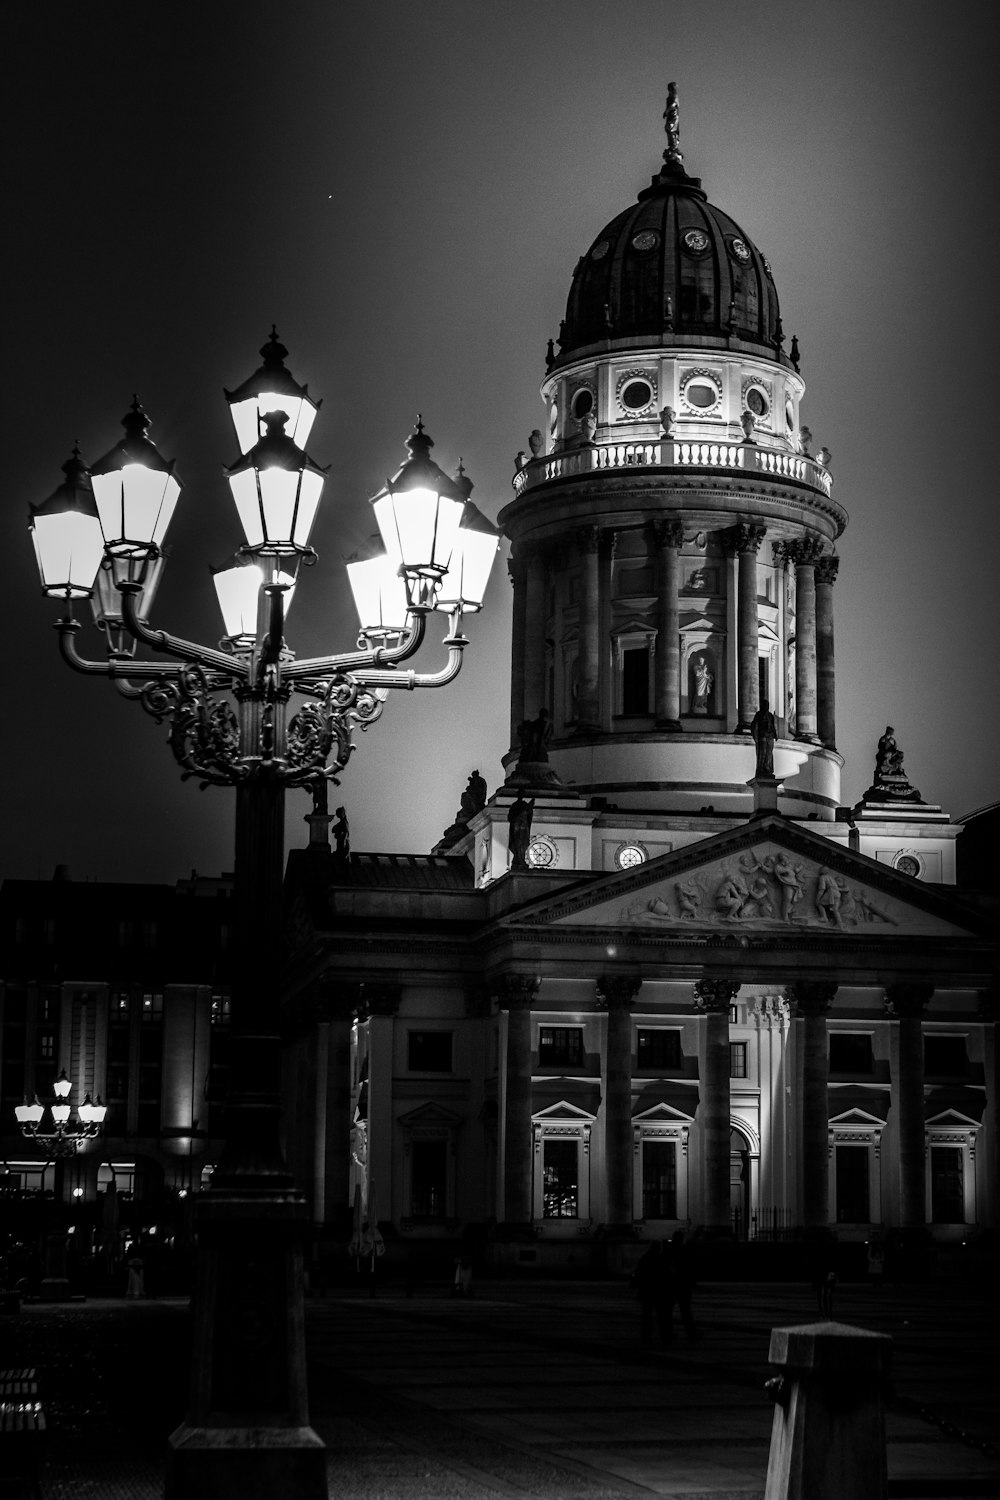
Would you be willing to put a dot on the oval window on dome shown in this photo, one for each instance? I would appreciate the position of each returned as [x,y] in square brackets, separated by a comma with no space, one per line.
[738,248]
[767,266]
[636,394]
[699,393]
[583,402]
[757,401]
[600,250]
[695,241]
[646,239]
[553,418]
[789,416]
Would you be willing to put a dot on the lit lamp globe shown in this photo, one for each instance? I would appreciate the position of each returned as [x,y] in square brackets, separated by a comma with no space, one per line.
[271,388]
[29,1114]
[67,536]
[62,1086]
[276,488]
[136,491]
[380,595]
[418,513]
[91,1113]
[238,589]
[463,587]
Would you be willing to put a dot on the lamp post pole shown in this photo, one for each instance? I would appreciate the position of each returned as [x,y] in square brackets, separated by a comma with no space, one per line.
[247,1430]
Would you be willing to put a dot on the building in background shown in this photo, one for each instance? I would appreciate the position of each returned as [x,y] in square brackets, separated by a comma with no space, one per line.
[662,977]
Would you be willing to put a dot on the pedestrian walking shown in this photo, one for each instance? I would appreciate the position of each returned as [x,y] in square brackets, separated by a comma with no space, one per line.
[463,1277]
[876,1261]
[682,1279]
[653,1290]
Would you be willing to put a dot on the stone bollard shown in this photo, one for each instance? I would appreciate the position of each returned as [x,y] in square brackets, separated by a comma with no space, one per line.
[828,1437]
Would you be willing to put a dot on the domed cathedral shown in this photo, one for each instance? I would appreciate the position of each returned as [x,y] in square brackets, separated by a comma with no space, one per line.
[661,978]
[674,538]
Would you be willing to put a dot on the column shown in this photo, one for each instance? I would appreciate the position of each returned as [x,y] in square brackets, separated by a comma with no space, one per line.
[535,695]
[605,683]
[786,629]
[516,992]
[515,569]
[812,1001]
[713,997]
[744,540]
[905,1004]
[669,536]
[588,704]
[380,1003]
[803,554]
[615,994]
[826,576]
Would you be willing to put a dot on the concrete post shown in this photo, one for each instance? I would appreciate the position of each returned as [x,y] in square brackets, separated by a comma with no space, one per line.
[669,536]
[616,993]
[714,997]
[828,1436]
[516,994]
[826,574]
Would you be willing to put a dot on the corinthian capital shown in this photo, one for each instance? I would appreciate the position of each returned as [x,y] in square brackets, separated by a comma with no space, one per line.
[907,999]
[827,569]
[715,994]
[743,538]
[588,538]
[617,990]
[804,553]
[517,991]
[668,533]
[810,998]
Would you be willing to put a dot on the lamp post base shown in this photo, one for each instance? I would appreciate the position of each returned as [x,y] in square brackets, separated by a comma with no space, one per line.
[207,1463]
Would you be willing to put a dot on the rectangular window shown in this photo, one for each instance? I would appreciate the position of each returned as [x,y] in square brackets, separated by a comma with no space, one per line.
[851,1052]
[220,1012]
[46,1045]
[944,1056]
[560,1180]
[852,1184]
[737,1059]
[764,679]
[49,931]
[635,680]
[560,1047]
[659,1180]
[659,1049]
[429,1183]
[947,1185]
[149,934]
[429,1051]
[152,1007]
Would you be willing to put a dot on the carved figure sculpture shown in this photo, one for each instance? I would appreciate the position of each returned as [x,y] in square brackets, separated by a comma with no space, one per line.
[519,822]
[703,681]
[688,898]
[888,757]
[473,798]
[764,729]
[786,874]
[829,898]
[730,897]
[535,735]
[342,836]
[759,903]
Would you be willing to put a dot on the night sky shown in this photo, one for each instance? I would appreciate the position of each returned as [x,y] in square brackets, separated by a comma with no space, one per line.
[405,189]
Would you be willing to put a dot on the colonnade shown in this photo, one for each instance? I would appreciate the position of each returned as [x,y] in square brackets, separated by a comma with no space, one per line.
[809,1127]
[533,562]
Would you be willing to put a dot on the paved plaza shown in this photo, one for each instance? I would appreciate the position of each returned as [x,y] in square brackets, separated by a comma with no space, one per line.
[526,1389]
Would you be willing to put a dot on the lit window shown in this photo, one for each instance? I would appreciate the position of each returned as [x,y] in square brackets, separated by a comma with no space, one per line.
[47,1046]
[152,1007]
[220,1012]
[561,1187]
[560,1046]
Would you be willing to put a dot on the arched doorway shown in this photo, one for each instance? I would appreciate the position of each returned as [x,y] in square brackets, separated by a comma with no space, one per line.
[739,1184]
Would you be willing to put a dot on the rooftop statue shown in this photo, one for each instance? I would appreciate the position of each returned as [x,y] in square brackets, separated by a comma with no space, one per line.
[891,782]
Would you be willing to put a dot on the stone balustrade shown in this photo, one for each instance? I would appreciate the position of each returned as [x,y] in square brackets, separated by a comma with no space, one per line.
[670,453]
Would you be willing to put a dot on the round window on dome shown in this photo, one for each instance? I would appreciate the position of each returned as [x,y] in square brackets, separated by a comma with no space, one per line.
[583,402]
[699,393]
[646,239]
[757,402]
[738,248]
[600,250]
[636,395]
[553,418]
[627,856]
[695,241]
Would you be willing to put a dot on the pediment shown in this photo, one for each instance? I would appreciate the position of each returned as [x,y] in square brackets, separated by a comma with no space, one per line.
[563,1110]
[952,1119]
[431,1114]
[696,623]
[857,1117]
[662,1114]
[768,875]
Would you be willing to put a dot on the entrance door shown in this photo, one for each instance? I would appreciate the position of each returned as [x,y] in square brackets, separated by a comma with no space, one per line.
[739,1184]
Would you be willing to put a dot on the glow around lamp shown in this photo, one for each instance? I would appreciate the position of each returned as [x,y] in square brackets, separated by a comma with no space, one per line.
[276,488]
[67,536]
[271,388]
[418,514]
[379,593]
[135,490]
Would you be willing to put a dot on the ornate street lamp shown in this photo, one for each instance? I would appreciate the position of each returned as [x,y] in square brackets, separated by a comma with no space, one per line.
[64,1139]
[229,711]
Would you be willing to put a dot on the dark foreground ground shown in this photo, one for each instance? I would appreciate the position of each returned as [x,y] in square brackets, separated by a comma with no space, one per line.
[526,1389]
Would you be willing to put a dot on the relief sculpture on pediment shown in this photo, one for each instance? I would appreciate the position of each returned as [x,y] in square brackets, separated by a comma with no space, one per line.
[768,890]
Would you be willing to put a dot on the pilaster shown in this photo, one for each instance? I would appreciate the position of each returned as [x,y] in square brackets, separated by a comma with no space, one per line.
[826,577]
[669,537]
[588,703]
[812,1002]
[905,1005]
[515,993]
[713,997]
[615,994]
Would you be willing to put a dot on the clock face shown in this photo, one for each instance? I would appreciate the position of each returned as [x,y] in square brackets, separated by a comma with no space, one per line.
[629,855]
[540,853]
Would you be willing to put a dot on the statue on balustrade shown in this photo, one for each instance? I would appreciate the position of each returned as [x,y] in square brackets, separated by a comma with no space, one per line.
[764,729]
[535,735]
[519,822]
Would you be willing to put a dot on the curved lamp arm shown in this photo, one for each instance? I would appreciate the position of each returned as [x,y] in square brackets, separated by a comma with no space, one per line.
[456,644]
[121,669]
[172,645]
[352,661]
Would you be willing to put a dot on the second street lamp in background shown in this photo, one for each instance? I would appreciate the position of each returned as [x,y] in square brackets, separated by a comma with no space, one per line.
[247,1429]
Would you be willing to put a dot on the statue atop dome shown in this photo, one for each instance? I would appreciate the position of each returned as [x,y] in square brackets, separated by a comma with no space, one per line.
[671,118]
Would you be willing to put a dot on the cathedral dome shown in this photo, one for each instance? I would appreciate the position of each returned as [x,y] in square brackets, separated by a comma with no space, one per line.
[670,270]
